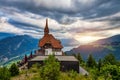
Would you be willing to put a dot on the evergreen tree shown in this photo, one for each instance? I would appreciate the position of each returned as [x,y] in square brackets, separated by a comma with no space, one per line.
[25,58]
[78,56]
[74,55]
[31,55]
[14,70]
[91,62]
[4,74]
[65,53]
[109,59]
[99,64]
[51,69]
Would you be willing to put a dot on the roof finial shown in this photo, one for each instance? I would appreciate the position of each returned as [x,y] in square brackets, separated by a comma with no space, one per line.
[46,30]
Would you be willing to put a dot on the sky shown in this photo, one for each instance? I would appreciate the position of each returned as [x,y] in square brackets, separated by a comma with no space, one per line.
[82,20]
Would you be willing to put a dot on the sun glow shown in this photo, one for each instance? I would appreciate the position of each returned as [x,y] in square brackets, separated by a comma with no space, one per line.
[86,39]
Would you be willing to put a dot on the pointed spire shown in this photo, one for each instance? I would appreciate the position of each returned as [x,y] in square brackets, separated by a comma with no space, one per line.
[46,30]
[46,22]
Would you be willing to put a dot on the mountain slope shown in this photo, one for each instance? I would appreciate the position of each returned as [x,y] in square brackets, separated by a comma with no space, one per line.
[99,48]
[14,46]
[5,35]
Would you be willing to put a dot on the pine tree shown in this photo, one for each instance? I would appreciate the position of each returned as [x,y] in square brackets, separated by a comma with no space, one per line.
[74,55]
[99,64]
[109,59]
[91,62]
[14,70]
[25,58]
[79,58]
[31,55]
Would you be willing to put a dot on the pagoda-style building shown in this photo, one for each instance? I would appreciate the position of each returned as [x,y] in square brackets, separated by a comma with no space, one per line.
[49,44]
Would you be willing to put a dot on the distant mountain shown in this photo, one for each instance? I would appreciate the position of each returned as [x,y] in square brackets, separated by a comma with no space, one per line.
[5,35]
[109,40]
[69,42]
[17,45]
[99,48]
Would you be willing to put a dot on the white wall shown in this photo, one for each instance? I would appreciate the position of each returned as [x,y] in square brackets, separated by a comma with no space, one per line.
[50,52]
[58,52]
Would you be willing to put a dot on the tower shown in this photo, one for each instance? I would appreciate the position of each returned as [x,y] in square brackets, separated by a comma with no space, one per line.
[46,30]
[49,44]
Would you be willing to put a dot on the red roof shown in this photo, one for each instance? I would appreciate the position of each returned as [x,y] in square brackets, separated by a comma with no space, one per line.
[49,38]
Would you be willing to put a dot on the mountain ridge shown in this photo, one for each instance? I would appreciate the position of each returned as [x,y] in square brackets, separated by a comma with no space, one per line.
[99,48]
[14,46]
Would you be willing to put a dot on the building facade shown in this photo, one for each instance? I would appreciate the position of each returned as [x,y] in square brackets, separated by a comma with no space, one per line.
[67,63]
[49,45]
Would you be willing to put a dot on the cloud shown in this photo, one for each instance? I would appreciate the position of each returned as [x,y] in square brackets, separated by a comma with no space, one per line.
[76,9]
[51,5]
[67,18]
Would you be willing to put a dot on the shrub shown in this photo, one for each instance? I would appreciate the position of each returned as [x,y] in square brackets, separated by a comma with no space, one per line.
[14,70]
[4,74]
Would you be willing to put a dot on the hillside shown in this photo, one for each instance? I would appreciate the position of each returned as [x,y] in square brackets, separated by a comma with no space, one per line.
[5,35]
[99,48]
[15,46]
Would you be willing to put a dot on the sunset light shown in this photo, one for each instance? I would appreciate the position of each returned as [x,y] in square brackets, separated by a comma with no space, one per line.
[86,39]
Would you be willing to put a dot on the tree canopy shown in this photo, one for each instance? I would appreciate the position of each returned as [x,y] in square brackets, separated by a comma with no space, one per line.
[51,69]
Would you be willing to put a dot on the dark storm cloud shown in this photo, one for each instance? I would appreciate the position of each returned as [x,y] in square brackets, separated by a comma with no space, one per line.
[29,26]
[25,26]
[76,8]
[68,12]
[20,23]
[107,8]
